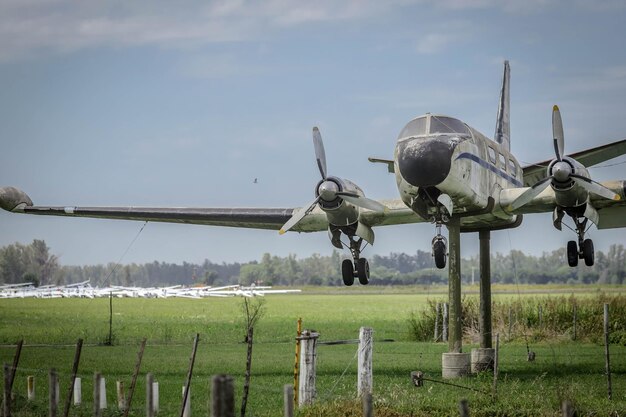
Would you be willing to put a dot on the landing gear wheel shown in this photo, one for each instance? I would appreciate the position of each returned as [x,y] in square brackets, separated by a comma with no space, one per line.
[439,252]
[347,272]
[572,253]
[363,271]
[588,253]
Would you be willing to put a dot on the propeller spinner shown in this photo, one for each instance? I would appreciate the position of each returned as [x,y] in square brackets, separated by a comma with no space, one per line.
[328,190]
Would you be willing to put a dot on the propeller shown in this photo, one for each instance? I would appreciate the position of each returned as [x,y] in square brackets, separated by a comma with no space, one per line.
[328,190]
[561,171]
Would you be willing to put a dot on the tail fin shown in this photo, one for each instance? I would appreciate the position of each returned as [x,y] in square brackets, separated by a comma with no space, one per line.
[503,124]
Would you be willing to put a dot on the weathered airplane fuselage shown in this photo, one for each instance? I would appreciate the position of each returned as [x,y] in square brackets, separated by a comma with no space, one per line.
[440,155]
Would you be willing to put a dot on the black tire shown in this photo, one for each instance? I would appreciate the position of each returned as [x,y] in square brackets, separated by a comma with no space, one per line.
[347,272]
[588,252]
[439,252]
[572,253]
[363,271]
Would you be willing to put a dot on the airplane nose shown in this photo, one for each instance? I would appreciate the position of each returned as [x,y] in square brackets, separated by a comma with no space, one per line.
[425,162]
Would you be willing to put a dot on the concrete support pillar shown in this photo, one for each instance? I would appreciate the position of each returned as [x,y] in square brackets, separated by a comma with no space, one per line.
[454,285]
[484,323]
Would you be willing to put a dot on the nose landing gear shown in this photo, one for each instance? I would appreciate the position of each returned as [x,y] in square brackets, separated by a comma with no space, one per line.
[439,244]
[362,270]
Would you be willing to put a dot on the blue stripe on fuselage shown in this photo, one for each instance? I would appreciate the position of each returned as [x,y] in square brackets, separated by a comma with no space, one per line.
[490,167]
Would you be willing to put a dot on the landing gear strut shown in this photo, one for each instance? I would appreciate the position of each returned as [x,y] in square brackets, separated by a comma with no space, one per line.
[362,270]
[439,244]
[584,249]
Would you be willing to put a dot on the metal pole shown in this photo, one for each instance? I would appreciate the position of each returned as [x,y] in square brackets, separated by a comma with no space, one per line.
[68,401]
[296,364]
[16,361]
[131,390]
[444,326]
[455,344]
[437,314]
[484,237]
[606,351]
[574,335]
[192,359]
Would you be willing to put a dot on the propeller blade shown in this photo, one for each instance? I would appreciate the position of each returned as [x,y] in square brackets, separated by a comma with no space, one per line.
[595,188]
[529,194]
[362,202]
[297,216]
[557,132]
[320,154]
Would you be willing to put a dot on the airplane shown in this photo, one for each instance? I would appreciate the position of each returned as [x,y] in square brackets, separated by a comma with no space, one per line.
[444,168]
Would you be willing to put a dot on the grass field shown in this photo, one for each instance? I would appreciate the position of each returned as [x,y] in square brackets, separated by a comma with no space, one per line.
[562,370]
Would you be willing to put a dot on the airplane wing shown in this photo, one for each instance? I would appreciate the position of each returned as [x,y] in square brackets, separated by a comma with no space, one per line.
[16,201]
[588,157]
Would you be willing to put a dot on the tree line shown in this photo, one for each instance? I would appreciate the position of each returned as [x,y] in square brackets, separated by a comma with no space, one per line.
[35,263]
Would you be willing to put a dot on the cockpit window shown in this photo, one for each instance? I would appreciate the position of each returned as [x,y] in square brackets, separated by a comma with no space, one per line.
[415,127]
[447,125]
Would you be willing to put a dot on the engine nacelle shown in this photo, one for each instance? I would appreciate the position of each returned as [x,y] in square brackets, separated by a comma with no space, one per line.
[338,211]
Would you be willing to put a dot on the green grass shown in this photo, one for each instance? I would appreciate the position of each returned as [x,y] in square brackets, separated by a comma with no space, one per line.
[563,370]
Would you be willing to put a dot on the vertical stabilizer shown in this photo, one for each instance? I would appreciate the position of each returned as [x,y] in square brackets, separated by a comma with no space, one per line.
[503,124]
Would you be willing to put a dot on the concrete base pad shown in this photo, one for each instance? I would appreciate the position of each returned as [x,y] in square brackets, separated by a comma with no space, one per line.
[455,365]
[482,359]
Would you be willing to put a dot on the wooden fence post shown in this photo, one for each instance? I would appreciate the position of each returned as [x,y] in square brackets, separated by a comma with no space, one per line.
[444,333]
[463,408]
[288,400]
[121,399]
[103,393]
[96,394]
[567,409]
[6,398]
[368,409]
[78,391]
[155,397]
[496,364]
[510,322]
[437,314]
[364,378]
[306,389]
[222,396]
[606,351]
[149,397]
[53,392]
[30,387]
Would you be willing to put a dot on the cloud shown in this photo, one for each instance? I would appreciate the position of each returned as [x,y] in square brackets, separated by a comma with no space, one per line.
[32,27]
[434,42]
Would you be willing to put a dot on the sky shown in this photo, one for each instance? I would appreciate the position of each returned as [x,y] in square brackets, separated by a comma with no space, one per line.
[160,103]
